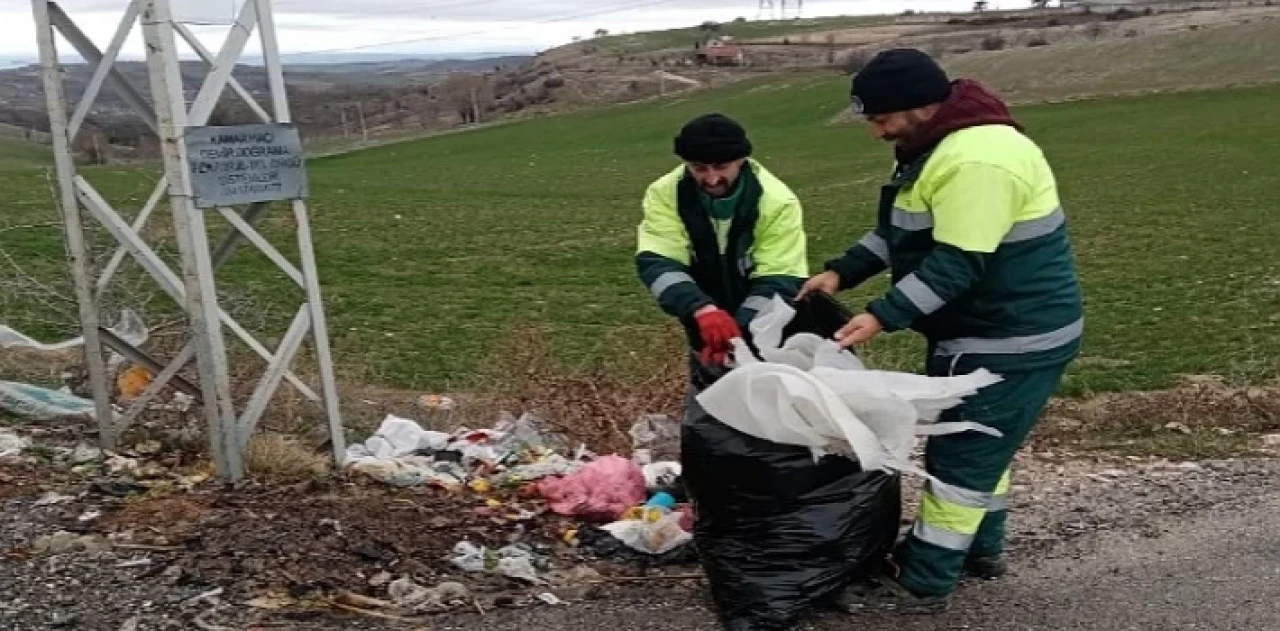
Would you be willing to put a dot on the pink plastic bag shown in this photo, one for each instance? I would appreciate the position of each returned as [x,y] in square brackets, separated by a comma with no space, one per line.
[600,492]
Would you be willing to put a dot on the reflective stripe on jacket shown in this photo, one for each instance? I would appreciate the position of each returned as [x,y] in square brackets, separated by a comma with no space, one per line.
[976,239]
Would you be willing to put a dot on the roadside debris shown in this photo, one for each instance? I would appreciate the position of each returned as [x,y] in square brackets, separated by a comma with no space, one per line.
[513,561]
[12,445]
[409,595]
[42,403]
[62,542]
[517,453]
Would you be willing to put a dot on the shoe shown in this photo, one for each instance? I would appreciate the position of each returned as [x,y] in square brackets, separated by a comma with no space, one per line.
[986,568]
[886,594]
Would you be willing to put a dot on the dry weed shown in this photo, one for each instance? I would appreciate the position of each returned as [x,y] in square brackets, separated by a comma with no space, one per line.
[594,405]
[281,458]
[1200,417]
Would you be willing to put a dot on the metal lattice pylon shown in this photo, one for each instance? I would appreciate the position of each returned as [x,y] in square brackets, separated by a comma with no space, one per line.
[195,286]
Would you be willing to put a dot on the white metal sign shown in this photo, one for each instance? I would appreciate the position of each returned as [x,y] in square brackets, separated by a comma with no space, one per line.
[243,164]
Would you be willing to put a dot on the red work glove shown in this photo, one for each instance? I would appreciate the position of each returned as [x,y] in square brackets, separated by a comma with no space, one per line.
[717,329]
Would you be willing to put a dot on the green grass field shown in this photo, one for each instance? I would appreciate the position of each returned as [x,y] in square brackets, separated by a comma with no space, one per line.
[436,254]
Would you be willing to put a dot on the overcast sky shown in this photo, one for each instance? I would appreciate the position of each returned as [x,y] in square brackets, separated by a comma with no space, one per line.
[425,26]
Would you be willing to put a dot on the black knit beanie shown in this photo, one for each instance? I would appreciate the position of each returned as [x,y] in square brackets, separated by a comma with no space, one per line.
[712,139]
[899,79]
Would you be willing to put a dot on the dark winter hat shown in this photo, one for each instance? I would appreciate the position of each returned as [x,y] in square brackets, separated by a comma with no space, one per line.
[712,139]
[899,79]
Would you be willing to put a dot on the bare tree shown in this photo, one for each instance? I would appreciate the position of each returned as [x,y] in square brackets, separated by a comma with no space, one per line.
[979,6]
[470,95]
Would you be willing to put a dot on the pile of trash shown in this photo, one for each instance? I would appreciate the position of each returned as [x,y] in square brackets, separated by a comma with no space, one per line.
[35,402]
[633,499]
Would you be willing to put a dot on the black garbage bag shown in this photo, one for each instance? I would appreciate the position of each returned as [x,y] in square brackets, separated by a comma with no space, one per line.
[778,534]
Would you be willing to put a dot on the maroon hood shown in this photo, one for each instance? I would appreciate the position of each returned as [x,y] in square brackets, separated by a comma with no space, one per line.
[970,104]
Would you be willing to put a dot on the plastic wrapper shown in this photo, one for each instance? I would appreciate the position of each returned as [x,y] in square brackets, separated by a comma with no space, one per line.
[651,536]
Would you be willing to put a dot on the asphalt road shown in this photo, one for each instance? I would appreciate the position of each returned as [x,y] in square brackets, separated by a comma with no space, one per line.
[1217,570]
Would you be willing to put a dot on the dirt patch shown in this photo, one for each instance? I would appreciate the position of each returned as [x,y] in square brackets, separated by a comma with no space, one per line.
[320,539]
[1200,417]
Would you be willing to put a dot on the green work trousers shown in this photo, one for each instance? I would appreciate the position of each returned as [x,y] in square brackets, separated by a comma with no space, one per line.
[963,512]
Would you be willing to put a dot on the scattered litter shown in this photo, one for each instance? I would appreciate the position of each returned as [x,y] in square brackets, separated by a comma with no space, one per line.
[411,471]
[513,561]
[657,532]
[85,453]
[42,403]
[117,464]
[661,476]
[433,402]
[53,497]
[62,542]
[656,437]
[133,381]
[89,516]
[12,445]
[408,594]
[514,452]
[551,599]
[272,602]
[1181,428]
[397,437]
[600,492]
[148,448]
[554,464]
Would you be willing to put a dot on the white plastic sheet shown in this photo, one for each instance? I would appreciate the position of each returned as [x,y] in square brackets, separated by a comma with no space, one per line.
[810,392]
[129,328]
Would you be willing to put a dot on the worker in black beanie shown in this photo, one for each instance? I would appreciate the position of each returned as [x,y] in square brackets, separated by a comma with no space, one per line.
[712,139]
[720,237]
[973,233]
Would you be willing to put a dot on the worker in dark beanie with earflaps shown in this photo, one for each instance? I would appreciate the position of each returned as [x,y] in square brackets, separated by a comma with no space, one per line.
[719,238]
[972,230]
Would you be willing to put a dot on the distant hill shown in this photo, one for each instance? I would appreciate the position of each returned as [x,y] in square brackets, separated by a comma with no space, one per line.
[335,59]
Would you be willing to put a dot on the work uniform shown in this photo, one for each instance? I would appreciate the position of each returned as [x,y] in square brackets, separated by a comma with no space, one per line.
[736,252]
[975,237]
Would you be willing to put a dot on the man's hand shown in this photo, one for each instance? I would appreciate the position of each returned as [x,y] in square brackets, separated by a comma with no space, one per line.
[717,329]
[827,282]
[859,330]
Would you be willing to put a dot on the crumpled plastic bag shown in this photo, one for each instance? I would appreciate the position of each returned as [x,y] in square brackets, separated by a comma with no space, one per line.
[42,403]
[652,537]
[600,492]
[552,464]
[411,471]
[396,437]
[512,561]
[811,393]
[661,476]
[11,444]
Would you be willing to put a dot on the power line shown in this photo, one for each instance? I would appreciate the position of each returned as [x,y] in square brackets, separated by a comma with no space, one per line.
[431,38]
